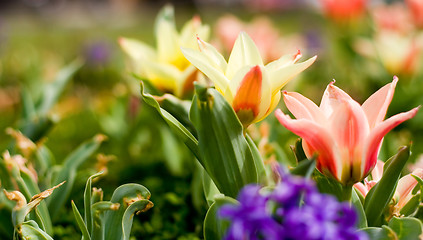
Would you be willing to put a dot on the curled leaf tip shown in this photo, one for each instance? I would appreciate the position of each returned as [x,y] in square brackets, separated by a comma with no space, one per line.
[16,196]
[114,206]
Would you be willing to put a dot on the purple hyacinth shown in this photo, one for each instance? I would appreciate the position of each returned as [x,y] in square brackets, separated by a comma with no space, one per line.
[293,210]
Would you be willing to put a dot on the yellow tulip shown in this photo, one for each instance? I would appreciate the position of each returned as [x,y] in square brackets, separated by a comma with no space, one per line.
[165,67]
[252,88]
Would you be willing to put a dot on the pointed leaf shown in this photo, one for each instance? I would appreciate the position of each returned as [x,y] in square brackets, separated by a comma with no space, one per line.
[210,189]
[176,126]
[225,153]
[381,194]
[258,161]
[304,168]
[298,151]
[68,173]
[87,201]
[53,90]
[358,205]
[80,222]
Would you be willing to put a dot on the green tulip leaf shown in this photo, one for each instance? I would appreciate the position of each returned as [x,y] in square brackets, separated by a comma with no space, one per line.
[380,233]
[304,168]
[176,126]
[80,222]
[358,205]
[87,201]
[381,194]
[138,206]
[406,227]
[215,228]
[124,195]
[68,173]
[30,230]
[225,153]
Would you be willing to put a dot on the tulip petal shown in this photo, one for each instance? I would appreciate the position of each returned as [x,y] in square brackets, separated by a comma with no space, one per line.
[350,128]
[243,53]
[405,185]
[191,30]
[332,97]
[372,145]
[209,68]
[377,172]
[318,140]
[302,107]
[163,76]
[284,61]
[274,100]
[377,104]
[361,188]
[137,50]
[248,95]
[211,52]
[284,73]
[166,36]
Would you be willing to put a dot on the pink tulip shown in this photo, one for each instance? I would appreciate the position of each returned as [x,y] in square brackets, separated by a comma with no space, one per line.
[416,8]
[342,10]
[345,136]
[403,192]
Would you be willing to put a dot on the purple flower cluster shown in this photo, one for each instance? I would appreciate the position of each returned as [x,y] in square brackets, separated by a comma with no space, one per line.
[293,210]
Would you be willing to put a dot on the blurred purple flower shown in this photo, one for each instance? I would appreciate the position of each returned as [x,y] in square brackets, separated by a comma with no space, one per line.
[293,210]
[97,53]
[251,218]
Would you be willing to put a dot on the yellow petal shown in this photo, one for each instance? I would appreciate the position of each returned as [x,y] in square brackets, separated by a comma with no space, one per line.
[243,53]
[206,65]
[280,76]
[137,50]
[166,36]
[191,30]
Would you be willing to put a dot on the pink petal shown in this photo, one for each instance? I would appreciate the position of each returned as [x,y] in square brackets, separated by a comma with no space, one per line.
[377,104]
[349,128]
[361,188]
[372,146]
[377,172]
[405,186]
[302,107]
[318,139]
[349,125]
[331,98]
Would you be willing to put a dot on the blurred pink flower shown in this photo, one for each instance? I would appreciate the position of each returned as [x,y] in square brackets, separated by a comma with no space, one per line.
[416,8]
[343,10]
[266,36]
[393,17]
[394,31]
[345,136]
[403,192]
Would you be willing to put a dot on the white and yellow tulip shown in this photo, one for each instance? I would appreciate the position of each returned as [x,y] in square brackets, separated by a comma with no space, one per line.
[165,67]
[252,88]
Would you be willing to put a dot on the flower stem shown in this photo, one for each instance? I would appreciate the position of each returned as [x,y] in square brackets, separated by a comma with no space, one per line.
[346,193]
